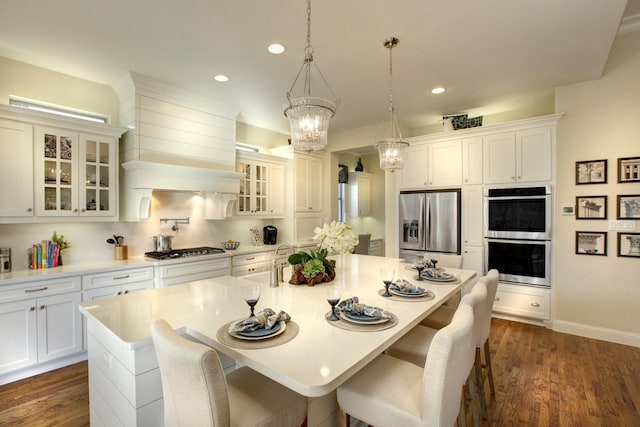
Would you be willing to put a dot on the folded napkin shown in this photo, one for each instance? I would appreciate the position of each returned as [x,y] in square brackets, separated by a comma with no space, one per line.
[265,319]
[352,306]
[404,286]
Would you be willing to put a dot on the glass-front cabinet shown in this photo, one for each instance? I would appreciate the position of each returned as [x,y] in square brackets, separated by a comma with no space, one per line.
[253,196]
[74,173]
[97,175]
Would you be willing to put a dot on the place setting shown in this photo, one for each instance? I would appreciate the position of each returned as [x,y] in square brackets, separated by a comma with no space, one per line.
[353,315]
[402,289]
[264,329]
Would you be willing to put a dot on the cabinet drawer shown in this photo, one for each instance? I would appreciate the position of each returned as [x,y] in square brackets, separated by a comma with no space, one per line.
[188,268]
[250,269]
[249,258]
[522,301]
[118,277]
[40,288]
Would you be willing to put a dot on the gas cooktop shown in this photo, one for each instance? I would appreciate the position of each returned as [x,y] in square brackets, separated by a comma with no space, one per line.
[183,253]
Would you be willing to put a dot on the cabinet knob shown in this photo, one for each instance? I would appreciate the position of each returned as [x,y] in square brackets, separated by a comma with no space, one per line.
[83,210]
[496,299]
[535,304]
[513,177]
[126,292]
[32,309]
[29,209]
[119,293]
[466,180]
[519,177]
[75,210]
[42,307]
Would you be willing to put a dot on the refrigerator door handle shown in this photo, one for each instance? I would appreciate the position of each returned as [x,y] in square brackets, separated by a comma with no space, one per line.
[426,229]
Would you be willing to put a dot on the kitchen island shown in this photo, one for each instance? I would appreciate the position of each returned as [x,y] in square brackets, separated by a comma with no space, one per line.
[125,385]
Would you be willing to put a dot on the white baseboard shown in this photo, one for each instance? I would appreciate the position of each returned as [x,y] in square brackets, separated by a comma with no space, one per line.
[41,368]
[604,334]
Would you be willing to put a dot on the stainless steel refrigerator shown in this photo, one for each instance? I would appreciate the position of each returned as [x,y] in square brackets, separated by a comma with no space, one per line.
[429,222]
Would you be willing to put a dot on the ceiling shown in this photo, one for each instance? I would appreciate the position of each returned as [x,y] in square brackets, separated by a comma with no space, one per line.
[486,53]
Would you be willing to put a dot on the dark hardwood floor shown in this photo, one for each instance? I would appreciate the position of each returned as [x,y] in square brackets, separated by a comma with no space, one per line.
[543,378]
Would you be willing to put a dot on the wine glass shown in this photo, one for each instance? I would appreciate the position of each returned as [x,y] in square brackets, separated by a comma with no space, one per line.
[251,294]
[434,257]
[333,293]
[387,275]
[419,264]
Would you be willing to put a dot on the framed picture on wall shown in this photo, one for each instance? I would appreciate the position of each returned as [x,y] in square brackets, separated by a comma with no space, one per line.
[629,169]
[628,206]
[591,172]
[591,243]
[629,245]
[591,207]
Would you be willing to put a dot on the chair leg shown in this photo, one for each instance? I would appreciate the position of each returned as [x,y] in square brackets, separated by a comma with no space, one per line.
[487,359]
[473,400]
[462,418]
[480,382]
[347,419]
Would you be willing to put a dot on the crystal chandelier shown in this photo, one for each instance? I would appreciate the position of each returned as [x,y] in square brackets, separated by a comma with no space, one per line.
[391,149]
[309,116]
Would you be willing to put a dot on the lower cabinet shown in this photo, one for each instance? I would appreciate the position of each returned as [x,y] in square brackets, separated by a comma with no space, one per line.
[523,301]
[242,265]
[38,330]
[376,248]
[173,273]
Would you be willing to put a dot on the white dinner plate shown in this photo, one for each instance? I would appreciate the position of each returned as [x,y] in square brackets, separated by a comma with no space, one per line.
[363,320]
[408,294]
[261,334]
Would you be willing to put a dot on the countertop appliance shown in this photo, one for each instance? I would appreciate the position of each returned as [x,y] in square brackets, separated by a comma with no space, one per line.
[270,235]
[182,253]
[429,222]
[5,260]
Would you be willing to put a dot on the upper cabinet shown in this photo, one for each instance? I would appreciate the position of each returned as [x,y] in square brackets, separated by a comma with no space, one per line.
[16,169]
[75,173]
[472,161]
[436,164]
[308,183]
[522,156]
[261,190]
[58,167]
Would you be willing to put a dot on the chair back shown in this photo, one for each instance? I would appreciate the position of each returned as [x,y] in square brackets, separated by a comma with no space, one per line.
[449,361]
[193,383]
[484,320]
[362,247]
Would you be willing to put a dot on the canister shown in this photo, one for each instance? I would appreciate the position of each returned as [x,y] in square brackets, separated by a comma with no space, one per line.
[5,260]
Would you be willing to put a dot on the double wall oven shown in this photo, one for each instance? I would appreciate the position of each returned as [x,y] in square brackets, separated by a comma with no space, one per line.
[517,231]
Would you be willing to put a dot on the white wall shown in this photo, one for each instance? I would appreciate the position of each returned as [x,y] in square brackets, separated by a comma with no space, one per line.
[598,295]
[27,81]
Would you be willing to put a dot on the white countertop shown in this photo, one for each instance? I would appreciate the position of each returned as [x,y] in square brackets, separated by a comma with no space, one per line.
[317,360]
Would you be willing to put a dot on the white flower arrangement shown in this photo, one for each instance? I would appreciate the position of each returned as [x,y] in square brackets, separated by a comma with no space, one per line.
[336,237]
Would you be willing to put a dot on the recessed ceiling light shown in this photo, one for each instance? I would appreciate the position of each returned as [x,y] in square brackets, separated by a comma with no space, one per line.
[221,78]
[276,48]
[438,90]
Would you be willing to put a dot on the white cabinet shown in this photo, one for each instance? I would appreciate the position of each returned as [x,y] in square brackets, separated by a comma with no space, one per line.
[75,174]
[376,247]
[444,166]
[436,164]
[16,169]
[41,322]
[262,186]
[114,283]
[308,182]
[472,161]
[414,171]
[276,189]
[472,215]
[256,262]
[472,258]
[523,301]
[359,194]
[523,156]
[170,273]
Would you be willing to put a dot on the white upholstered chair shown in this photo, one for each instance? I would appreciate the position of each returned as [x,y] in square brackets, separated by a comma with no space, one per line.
[394,392]
[443,315]
[196,392]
